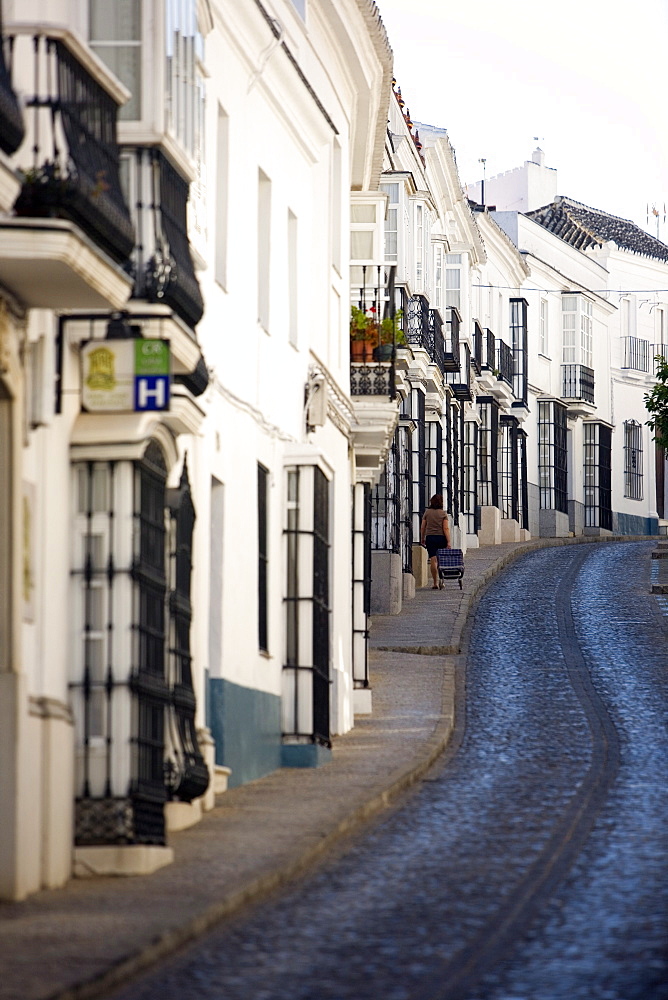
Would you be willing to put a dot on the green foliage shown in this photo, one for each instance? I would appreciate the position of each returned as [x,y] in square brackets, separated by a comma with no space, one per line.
[656,402]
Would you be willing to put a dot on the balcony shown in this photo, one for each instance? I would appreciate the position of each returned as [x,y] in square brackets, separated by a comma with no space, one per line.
[636,354]
[577,383]
[436,340]
[71,224]
[12,131]
[452,324]
[162,263]
[660,351]
[478,344]
[504,362]
[416,326]
[460,381]
[377,327]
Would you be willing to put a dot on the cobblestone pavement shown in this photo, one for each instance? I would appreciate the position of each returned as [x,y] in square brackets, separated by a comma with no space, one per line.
[531,863]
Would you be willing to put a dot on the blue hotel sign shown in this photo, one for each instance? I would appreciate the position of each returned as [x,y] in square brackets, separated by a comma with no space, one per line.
[121,376]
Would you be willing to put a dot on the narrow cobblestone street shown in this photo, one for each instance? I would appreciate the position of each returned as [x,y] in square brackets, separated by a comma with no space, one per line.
[531,863]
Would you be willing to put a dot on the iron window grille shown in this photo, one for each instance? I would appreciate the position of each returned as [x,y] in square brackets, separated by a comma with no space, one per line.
[434,457]
[132,691]
[405,497]
[552,456]
[597,476]
[488,451]
[416,400]
[306,670]
[470,475]
[577,383]
[386,504]
[523,480]
[508,468]
[446,473]
[455,460]
[633,470]
[518,339]
[361,592]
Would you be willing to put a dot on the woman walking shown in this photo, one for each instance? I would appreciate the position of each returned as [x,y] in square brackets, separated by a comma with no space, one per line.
[435,535]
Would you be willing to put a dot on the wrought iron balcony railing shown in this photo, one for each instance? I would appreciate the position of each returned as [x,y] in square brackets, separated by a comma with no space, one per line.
[504,361]
[452,324]
[163,265]
[489,350]
[577,383]
[460,381]
[69,162]
[636,354]
[660,351]
[372,379]
[12,129]
[478,338]
[436,341]
[416,327]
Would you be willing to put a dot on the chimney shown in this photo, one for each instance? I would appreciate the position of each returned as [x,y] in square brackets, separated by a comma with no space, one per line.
[538,156]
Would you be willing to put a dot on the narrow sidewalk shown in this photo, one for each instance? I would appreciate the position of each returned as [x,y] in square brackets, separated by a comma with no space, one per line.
[77,942]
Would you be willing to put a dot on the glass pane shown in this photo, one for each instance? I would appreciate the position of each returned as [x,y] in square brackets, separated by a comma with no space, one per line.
[362,213]
[115,22]
[361,246]
[94,653]
[453,258]
[392,191]
[125,62]
[100,489]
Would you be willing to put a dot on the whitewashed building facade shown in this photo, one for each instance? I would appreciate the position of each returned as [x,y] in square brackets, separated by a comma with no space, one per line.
[179,442]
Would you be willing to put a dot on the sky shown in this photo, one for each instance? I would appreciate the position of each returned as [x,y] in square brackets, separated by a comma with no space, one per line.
[585,80]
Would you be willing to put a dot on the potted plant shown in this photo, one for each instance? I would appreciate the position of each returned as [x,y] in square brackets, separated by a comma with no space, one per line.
[391,336]
[363,334]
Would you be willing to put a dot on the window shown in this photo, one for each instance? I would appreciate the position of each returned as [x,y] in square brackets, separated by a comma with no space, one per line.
[633,460]
[488,451]
[116,37]
[438,276]
[552,456]
[469,475]
[184,89]
[222,195]
[518,339]
[597,476]
[262,555]
[453,279]
[508,468]
[577,330]
[363,232]
[263,248]
[136,741]
[306,670]
[391,221]
[419,246]
[543,342]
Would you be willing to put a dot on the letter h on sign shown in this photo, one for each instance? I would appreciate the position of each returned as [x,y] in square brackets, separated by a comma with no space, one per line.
[151,392]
